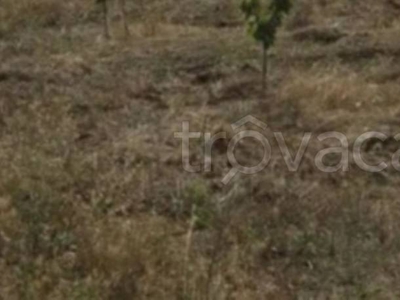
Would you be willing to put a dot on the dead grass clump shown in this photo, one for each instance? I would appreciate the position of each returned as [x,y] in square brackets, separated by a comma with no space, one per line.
[318,35]
[333,95]
[366,14]
[304,232]
[128,256]
[217,13]
[29,14]
[233,89]
[304,12]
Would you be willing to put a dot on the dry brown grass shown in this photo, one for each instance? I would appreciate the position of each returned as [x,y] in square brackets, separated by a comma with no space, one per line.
[94,203]
[342,97]
[28,14]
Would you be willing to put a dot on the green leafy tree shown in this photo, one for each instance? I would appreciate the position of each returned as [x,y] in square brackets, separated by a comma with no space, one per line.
[263,18]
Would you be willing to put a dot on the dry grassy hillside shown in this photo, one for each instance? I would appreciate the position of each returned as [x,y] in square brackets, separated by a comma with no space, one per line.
[94,202]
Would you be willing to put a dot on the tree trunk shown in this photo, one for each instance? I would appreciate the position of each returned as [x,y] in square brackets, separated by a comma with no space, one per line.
[122,4]
[265,69]
[105,20]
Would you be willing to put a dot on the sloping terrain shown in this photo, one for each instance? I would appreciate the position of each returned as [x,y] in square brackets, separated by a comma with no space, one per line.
[94,201]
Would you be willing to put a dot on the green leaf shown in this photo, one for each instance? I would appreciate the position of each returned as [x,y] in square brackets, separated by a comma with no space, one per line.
[264,17]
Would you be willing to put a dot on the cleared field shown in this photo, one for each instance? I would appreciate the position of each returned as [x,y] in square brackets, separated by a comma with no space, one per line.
[94,202]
